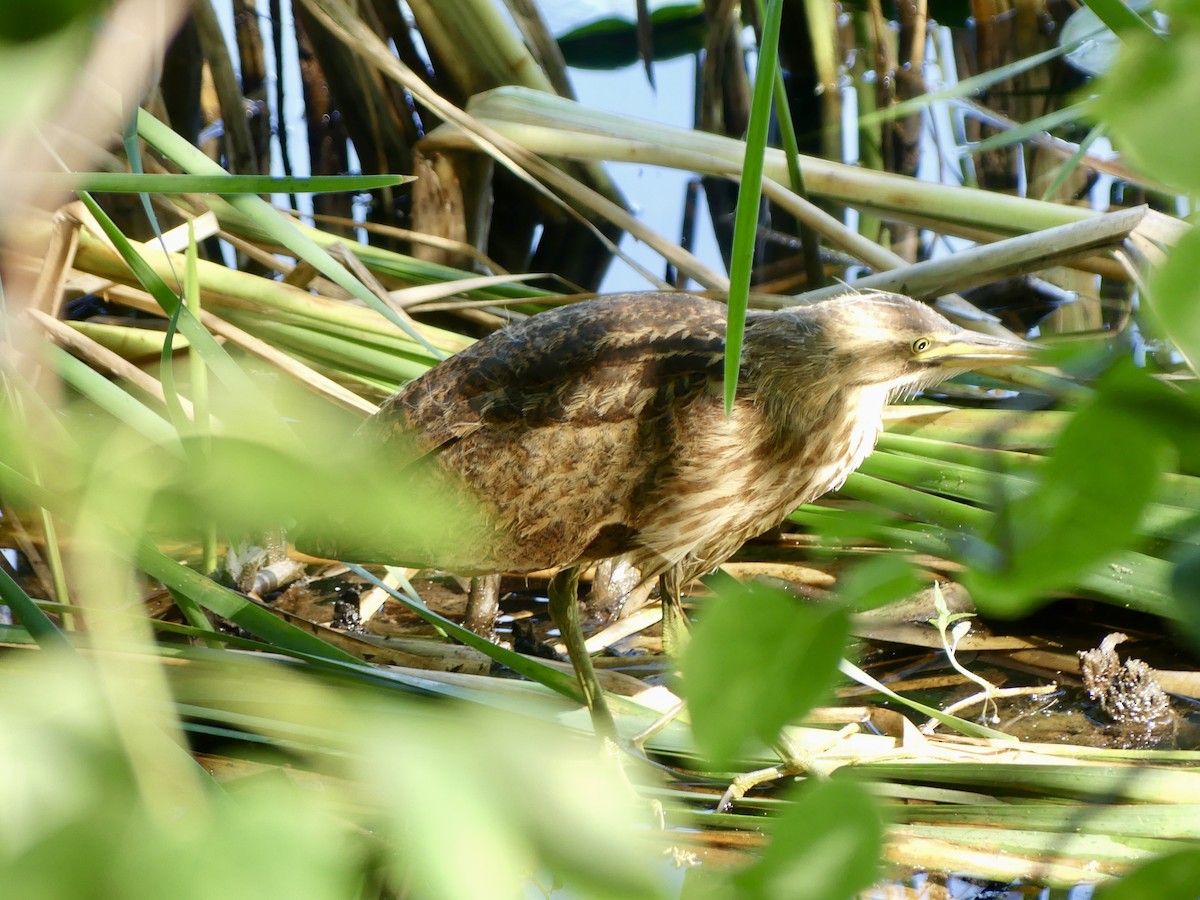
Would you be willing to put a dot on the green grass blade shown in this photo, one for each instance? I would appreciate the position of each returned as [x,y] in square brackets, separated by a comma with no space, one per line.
[971,729]
[272,223]
[198,376]
[1025,131]
[36,622]
[129,183]
[745,225]
[967,87]
[241,390]
[1072,163]
[113,399]
[522,665]
[334,350]
[231,606]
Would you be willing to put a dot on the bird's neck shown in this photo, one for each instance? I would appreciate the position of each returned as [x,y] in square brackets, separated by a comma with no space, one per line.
[801,404]
[801,383]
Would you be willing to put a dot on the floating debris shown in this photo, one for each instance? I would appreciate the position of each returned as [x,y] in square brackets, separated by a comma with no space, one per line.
[1128,692]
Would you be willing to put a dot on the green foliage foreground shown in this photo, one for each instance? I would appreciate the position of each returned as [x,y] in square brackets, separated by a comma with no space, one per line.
[137,767]
[355,792]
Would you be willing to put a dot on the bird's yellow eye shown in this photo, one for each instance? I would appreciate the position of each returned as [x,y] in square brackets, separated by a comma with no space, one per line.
[920,345]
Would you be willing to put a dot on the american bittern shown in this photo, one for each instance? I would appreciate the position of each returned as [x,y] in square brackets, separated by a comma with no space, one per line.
[599,429]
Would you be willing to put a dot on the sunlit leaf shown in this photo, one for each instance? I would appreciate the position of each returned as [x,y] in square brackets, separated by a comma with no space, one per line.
[825,845]
[758,659]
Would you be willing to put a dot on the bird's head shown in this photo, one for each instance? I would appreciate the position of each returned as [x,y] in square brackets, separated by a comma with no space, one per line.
[893,342]
[877,340]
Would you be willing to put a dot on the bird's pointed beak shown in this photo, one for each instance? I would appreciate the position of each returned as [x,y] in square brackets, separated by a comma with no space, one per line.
[973,348]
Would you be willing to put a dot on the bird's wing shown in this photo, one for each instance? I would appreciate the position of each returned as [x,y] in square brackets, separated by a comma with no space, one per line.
[611,360]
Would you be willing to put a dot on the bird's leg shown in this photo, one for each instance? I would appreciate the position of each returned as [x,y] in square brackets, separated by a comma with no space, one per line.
[676,629]
[618,590]
[483,602]
[564,609]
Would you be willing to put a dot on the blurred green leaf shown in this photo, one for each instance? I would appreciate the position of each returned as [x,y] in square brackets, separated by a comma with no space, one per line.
[826,845]
[1084,508]
[353,505]
[32,70]
[1172,877]
[1151,100]
[1175,293]
[581,824]
[111,397]
[21,22]
[376,798]
[346,500]
[1168,409]
[877,582]
[758,660]
[312,855]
